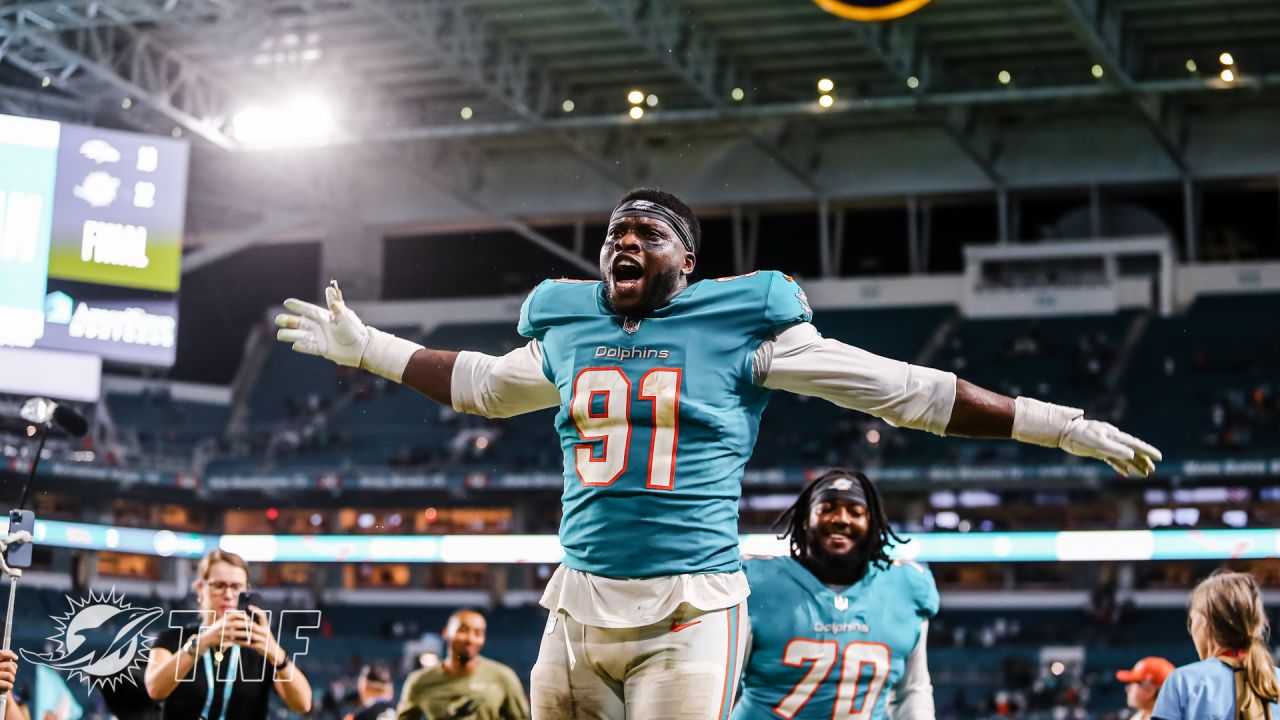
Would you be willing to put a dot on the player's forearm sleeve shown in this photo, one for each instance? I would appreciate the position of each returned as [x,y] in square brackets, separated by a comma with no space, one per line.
[801,361]
[913,695]
[499,387]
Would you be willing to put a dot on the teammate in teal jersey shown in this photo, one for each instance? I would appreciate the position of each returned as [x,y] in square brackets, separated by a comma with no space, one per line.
[660,385]
[838,629]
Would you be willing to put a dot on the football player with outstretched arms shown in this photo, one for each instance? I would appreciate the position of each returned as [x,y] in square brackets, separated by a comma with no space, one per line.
[660,384]
[838,629]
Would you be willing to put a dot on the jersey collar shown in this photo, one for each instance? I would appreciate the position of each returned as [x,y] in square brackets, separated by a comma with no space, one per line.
[810,582]
[675,302]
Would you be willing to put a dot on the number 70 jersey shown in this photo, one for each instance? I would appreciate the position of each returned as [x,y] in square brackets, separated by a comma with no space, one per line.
[657,418]
[821,654]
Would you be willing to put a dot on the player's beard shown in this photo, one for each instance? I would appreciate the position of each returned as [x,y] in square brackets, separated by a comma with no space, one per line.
[657,291]
[847,567]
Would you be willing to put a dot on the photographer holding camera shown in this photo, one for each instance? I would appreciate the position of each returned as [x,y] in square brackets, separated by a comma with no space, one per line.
[226,666]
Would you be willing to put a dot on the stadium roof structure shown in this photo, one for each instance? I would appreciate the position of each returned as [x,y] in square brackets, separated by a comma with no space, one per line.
[469,97]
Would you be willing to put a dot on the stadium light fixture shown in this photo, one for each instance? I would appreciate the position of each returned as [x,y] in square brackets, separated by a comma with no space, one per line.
[1191,65]
[1227,75]
[466,112]
[304,120]
[567,106]
[637,112]
[1097,71]
[177,132]
[826,101]
[46,81]
[1226,59]
[737,94]
[913,82]
[1004,77]
[126,103]
[635,97]
[826,85]
[652,100]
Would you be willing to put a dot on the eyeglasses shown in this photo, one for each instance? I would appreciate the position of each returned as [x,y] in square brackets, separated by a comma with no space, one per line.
[217,586]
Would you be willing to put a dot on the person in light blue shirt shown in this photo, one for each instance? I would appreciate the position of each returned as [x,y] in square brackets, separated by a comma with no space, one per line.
[1236,678]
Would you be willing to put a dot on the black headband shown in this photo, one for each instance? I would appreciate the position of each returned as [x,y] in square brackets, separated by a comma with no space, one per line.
[841,487]
[654,211]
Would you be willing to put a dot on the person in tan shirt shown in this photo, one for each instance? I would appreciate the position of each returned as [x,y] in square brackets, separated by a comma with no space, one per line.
[464,686]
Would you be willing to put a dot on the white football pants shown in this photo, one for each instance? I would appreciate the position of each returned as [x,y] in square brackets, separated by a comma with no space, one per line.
[685,667]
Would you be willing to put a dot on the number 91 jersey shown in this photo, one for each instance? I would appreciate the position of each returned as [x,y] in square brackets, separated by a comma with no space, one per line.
[818,653]
[657,418]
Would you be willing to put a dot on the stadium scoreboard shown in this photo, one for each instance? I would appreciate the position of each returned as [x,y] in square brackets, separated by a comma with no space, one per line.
[91,224]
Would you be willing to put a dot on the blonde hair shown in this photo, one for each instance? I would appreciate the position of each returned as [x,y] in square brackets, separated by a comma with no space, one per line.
[220,556]
[1231,603]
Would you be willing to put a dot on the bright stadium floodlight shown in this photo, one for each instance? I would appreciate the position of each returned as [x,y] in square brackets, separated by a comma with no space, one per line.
[304,120]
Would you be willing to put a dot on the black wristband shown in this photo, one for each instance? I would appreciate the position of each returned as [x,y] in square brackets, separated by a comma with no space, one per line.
[284,663]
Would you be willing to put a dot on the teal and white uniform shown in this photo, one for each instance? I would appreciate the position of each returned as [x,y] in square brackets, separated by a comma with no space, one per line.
[657,421]
[818,653]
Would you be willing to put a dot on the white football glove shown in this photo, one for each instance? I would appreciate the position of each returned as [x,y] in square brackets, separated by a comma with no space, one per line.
[1063,427]
[337,334]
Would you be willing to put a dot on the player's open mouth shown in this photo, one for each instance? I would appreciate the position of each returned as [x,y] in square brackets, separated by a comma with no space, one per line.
[627,273]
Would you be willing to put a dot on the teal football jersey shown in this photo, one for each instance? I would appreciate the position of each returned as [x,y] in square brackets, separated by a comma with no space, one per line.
[816,653]
[657,419]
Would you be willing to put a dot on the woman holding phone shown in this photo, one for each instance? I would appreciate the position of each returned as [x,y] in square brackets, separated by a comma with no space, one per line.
[226,663]
[1236,677]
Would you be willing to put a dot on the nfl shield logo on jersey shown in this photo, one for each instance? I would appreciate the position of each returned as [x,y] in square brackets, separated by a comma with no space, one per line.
[842,602]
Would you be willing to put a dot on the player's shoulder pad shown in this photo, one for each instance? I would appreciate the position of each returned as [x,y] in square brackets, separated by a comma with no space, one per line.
[758,566]
[920,584]
[552,300]
[777,297]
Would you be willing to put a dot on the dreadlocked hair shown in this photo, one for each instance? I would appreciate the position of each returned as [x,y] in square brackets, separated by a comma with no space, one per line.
[880,535]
